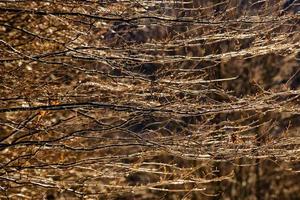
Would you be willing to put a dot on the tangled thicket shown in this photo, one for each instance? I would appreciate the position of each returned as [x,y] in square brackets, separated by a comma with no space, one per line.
[149,100]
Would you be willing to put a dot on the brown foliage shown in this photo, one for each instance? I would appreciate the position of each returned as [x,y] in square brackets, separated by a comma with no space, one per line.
[149,100]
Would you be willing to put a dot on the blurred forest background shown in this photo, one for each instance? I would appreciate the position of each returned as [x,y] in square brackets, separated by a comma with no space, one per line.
[129,99]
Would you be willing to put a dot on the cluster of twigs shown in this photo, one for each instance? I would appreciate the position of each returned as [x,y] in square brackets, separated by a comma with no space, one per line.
[147,99]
